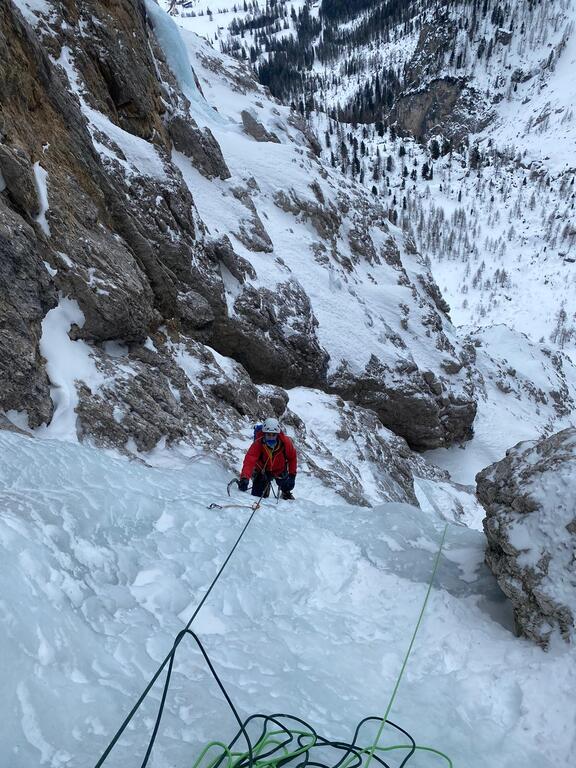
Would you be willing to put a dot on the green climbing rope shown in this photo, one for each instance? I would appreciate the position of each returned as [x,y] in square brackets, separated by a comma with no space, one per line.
[271,750]
[412,640]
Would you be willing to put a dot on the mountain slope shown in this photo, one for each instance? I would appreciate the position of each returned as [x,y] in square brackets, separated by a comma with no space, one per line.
[495,219]
[101,566]
[170,273]
[167,224]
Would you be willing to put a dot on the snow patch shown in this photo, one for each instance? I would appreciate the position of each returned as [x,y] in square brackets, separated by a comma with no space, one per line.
[41,184]
[67,362]
[33,10]
[51,271]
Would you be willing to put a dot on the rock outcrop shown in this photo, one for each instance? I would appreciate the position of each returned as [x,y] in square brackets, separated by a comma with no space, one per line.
[104,176]
[26,294]
[199,145]
[412,403]
[530,524]
[431,103]
[255,129]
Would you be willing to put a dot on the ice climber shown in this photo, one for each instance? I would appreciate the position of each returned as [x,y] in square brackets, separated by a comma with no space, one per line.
[272,456]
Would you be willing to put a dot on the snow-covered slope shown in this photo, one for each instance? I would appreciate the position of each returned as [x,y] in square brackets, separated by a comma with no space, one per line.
[526,391]
[497,221]
[104,560]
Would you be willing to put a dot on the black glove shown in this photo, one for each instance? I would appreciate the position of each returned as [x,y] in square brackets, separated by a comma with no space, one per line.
[288,483]
[243,484]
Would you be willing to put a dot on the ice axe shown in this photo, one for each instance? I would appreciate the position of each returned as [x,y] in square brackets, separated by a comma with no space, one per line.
[230,484]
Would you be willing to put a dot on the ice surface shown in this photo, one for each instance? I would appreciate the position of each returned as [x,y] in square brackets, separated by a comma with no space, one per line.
[102,560]
[168,36]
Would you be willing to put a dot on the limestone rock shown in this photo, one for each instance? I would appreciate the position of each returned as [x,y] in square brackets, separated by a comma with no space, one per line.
[443,105]
[338,438]
[200,146]
[222,252]
[177,393]
[194,311]
[16,169]
[116,62]
[530,524]
[251,231]
[26,294]
[415,405]
[273,335]
[325,218]
[433,102]
[255,129]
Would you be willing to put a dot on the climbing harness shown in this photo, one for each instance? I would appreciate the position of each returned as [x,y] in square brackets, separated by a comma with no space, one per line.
[285,741]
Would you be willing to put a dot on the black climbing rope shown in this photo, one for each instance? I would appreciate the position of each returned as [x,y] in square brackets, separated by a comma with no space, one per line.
[170,657]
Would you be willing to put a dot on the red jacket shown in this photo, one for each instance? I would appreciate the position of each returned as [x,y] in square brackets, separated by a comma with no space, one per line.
[276,461]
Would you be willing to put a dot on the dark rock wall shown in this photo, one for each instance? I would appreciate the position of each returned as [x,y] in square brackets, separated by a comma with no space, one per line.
[132,250]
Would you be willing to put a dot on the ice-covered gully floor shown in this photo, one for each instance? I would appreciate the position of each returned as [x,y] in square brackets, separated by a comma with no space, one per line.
[102,562]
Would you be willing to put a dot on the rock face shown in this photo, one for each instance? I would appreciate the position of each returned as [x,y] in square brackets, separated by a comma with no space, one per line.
[426,112]
[175,390]
[16,170]
[115,195]
[26,294]
[200,146]
[530,505]
[255,129]
[273,334]
[412,403]
[430,104]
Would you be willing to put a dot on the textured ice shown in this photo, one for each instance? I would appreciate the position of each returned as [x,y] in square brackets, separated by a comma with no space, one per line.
[103,560]
[168,35]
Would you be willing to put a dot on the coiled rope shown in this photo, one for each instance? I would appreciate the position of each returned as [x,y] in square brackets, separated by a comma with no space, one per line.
[280,745]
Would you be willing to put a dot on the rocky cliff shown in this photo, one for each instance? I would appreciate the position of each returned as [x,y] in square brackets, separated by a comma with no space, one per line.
[141,228]
[531,529]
